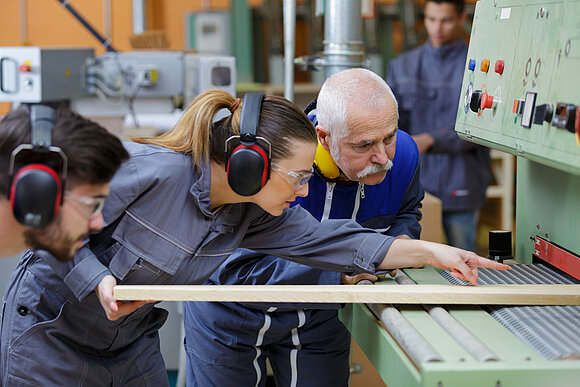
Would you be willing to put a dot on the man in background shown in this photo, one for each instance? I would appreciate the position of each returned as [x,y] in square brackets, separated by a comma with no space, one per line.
[427,83]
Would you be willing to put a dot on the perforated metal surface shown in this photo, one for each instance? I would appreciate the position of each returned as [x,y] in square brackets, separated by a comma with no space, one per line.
[552,331]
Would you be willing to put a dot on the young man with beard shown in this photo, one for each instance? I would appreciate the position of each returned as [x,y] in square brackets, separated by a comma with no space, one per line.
[93,156]
[368,171]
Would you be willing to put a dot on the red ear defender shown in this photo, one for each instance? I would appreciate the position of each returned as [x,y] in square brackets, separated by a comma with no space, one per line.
[248,166]
[36,189]
[35,195]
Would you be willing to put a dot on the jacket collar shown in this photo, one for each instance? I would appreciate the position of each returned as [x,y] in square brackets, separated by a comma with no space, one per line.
[447,50]
[201,188]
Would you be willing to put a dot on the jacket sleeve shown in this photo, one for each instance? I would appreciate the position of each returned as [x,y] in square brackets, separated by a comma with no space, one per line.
[88,271]
[392,76]
[336,245]
[409,214]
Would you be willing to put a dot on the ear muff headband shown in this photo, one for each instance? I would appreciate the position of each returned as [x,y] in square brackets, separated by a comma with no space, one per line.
[248,166]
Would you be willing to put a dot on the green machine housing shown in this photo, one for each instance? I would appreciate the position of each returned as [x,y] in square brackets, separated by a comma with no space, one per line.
[520,94]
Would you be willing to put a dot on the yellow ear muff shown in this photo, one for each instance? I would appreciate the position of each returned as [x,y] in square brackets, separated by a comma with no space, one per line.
[325,163]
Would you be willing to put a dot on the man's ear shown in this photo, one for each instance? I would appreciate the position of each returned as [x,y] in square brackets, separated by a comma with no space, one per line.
[322,137]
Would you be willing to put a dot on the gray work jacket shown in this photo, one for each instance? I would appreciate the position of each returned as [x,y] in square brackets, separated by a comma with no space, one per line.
[427,83]
[158,215]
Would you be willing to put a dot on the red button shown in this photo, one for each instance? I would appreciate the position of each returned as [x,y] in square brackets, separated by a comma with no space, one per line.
[499,66]
[24,68]
[486,101]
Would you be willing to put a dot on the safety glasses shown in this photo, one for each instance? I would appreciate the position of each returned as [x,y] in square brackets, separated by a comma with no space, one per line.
[89,206]
[296,179]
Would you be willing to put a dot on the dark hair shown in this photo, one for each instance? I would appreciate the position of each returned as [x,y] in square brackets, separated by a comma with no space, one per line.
[280,122]
[93,153]
[459,4]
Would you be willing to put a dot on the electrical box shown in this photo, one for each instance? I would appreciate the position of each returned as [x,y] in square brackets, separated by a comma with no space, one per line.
[205,71]
[34,74]
[150,74]
[208,32]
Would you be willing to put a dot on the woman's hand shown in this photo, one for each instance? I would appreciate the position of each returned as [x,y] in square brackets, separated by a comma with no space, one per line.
[115,309]
[463,264]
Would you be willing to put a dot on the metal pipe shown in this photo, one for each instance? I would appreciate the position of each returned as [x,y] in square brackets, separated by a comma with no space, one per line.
[343,43]
[107,19]
[100,38]
[289,49]
[23,23]
[138,17]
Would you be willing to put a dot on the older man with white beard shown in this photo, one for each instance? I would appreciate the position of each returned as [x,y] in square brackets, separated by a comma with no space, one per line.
[366,170]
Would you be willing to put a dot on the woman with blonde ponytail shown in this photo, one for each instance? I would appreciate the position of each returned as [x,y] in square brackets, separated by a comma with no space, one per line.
[176,210]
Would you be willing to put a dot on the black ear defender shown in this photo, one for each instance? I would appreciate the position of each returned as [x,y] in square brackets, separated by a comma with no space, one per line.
[248,165]
[37,173]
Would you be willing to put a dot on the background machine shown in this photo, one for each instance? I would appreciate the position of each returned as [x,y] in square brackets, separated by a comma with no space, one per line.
[520,95]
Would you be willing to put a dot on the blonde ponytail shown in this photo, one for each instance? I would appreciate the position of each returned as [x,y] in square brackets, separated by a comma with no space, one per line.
[192,133]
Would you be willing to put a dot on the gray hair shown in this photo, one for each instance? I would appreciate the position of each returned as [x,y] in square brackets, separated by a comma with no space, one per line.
[352,86]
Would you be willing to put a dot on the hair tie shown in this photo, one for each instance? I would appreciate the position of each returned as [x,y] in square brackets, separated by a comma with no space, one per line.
[234,105]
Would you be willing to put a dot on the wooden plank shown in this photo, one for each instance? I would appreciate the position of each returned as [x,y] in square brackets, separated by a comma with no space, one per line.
[400,294]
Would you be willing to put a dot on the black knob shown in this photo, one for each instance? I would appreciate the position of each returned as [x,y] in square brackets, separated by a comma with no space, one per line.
[543,113]
[500,245]
[475,103]
[565,116]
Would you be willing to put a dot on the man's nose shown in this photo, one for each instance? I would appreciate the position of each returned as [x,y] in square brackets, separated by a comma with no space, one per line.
[380,155]
[96,222]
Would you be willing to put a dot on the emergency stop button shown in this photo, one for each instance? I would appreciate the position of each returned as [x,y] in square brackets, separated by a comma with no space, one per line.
[486,101]
[25,67]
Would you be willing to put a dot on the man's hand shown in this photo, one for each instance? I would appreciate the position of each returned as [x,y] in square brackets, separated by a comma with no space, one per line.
[424,141]
[353,280]
[115,309]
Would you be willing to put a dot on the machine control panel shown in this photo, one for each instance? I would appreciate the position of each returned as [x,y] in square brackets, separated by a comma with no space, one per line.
[34,74]
[521,96]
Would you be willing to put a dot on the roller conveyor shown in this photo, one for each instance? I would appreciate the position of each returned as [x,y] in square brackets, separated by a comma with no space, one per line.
[552,331]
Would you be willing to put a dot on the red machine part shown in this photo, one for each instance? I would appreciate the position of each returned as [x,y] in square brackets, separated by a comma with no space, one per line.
[557,256]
